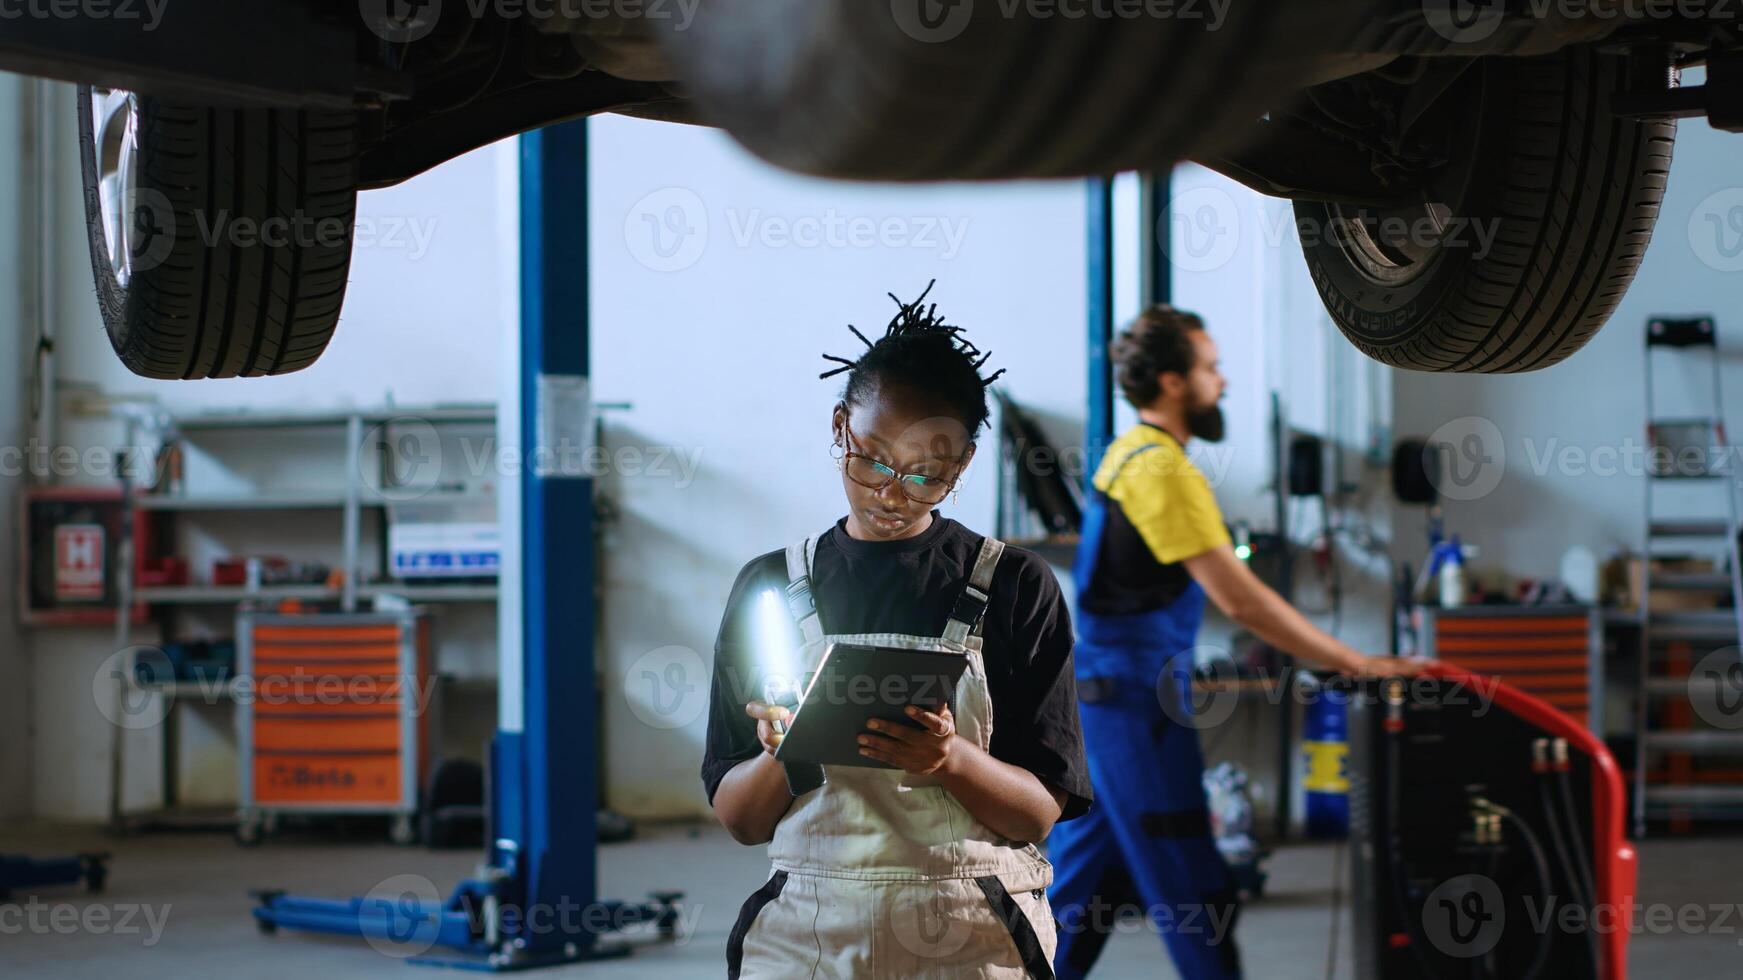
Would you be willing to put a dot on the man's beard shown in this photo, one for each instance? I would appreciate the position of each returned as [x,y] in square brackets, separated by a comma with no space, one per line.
[1206,423]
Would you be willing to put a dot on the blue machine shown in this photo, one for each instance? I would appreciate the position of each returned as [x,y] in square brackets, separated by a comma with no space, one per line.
[18,872]
[535,902]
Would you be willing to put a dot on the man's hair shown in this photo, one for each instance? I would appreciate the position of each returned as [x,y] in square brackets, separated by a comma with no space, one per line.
[920,351]
[1159,339]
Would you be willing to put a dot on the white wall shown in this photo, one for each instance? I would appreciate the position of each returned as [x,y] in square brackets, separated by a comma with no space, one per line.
[1558,453]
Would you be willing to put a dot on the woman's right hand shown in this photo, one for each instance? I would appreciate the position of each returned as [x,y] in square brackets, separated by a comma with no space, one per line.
[765,714]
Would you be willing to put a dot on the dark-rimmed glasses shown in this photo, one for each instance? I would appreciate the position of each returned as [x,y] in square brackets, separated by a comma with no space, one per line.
[875,476]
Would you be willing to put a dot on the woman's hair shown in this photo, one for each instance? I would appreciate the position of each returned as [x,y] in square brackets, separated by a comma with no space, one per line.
[919,350]
[1159,340]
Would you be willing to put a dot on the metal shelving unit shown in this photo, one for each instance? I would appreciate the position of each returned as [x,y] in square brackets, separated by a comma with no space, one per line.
[364,432]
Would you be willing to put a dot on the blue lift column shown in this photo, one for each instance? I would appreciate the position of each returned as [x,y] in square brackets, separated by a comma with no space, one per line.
[1155,280]
[536,900]
[553,760]
[1099,271]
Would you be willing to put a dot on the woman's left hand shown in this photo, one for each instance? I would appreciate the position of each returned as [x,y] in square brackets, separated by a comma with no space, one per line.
[921,751]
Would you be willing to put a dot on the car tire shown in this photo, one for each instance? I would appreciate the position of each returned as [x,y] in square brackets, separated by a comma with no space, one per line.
[220,237]
[1567,193]
[873,90]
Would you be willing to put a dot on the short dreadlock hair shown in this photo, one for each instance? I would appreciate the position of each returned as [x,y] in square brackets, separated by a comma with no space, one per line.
[921,351]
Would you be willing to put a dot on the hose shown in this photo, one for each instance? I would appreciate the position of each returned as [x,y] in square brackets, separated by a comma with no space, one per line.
[1546,938]
[1577,841]
[1579,872]
[1395,855]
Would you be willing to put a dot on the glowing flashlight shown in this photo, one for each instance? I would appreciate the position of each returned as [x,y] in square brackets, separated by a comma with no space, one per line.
[778,654]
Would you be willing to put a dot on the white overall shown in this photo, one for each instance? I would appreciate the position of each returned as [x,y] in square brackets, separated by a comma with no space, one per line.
[878,873]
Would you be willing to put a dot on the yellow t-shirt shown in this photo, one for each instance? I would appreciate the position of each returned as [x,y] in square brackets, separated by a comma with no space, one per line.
[1163,495]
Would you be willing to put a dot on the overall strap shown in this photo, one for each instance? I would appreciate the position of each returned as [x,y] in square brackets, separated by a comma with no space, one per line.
[1134,454]
[971,604]
[800,557]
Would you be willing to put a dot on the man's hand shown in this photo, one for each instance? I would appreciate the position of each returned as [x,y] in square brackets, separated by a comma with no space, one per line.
[766,714]
[921,751]
[1383,666]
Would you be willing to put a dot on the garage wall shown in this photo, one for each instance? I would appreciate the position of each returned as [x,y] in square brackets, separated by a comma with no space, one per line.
[1563,456]
[16,333]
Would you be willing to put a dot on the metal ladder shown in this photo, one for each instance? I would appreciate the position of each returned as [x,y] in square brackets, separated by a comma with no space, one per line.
[1669,731]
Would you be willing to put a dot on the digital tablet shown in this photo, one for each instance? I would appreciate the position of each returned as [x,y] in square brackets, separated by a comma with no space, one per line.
[855,683]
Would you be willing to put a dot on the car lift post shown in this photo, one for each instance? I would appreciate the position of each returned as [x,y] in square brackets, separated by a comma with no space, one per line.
[1099,275]
[535,903]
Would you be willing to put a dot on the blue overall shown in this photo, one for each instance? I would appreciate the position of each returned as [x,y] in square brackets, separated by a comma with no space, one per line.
[1147,839]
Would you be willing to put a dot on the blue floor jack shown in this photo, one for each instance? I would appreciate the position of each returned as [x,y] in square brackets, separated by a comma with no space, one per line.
[534,902]
[20,873]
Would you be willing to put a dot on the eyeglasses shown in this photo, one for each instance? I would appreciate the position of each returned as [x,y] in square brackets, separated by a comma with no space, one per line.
[873,475]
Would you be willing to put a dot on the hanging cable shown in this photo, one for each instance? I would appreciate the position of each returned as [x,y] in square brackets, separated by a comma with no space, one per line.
[1545,941]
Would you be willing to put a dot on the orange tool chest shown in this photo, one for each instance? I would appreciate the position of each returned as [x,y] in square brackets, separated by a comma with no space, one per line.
[1553,652]
[335,713]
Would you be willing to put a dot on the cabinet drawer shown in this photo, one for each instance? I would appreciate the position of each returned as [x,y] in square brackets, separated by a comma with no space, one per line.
[327,778]
[311,731]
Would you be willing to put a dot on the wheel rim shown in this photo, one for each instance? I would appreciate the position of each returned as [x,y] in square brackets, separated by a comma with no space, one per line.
[115,143]
[1387,246]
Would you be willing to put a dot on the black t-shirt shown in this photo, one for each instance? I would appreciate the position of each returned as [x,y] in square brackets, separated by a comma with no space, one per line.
[1128,578]
[909,586]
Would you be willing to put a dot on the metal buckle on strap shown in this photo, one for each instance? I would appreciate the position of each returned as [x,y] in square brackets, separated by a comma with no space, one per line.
[799,601]
[970,606]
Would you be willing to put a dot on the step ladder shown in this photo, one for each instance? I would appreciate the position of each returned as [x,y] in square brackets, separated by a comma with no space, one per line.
[1687,729]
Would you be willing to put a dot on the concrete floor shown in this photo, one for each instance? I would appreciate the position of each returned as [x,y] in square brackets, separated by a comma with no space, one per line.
[189,894]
